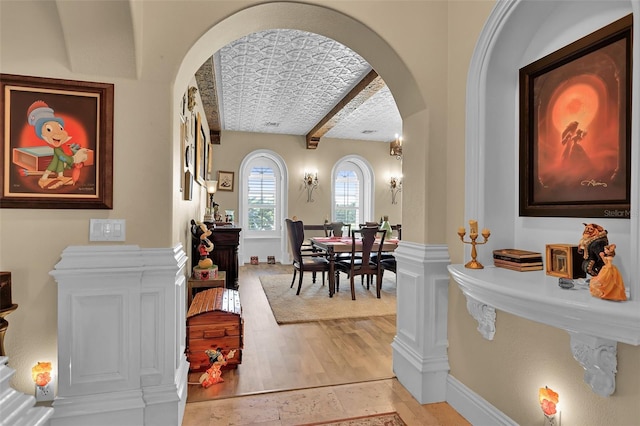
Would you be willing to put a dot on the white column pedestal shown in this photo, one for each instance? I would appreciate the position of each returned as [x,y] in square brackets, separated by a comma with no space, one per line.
[420,359]
[121,336]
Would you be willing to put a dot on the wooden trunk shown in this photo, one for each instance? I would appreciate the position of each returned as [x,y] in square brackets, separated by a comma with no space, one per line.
[214,320]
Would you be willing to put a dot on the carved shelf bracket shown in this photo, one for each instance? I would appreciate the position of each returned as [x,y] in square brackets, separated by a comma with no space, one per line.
[598,357]
[594,325]
[485,315]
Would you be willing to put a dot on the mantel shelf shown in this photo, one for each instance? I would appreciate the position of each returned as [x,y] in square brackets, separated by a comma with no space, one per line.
[595,325]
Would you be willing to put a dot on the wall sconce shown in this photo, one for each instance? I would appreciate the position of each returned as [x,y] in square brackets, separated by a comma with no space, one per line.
[211,212]
[42,377]
[395,184]
[310,181]
[395,147]
[548,402]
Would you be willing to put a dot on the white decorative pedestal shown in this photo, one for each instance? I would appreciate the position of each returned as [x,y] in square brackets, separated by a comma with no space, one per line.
[420,359]
[595,325]
[121,336]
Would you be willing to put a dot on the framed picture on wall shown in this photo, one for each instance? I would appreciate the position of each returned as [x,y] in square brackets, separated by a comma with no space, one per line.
[202,153]
[575,128]
[57,149]
[225,181]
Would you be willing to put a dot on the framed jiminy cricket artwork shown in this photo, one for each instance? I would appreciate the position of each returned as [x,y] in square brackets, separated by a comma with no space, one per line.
[57,149]
[575,128]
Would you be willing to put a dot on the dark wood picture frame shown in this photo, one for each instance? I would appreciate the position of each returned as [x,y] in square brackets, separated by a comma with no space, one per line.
[225,181]
[575,128]
[38,170]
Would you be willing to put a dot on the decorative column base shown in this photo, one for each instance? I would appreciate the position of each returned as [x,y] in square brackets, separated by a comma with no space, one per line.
[121,336]
[420,359]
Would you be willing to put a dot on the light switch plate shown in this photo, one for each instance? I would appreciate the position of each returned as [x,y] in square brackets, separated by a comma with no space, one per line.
[107,230]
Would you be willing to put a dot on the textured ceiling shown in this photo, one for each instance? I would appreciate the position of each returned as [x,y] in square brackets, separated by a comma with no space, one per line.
[286,81]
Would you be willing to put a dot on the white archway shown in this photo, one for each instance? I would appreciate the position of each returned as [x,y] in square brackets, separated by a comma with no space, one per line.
[411,354]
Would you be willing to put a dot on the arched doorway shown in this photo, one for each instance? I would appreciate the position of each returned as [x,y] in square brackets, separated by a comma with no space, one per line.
[330,23]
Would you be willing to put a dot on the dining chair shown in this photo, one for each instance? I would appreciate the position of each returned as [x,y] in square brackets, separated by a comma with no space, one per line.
[336,229]
[361,262]
[388,260]
[304,261]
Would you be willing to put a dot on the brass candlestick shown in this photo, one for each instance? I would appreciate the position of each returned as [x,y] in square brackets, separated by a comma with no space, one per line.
[473,234]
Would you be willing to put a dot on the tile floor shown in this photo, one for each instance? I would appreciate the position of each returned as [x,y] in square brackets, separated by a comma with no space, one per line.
[320,404]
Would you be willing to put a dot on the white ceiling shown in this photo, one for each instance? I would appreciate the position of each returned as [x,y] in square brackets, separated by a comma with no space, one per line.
[285,81]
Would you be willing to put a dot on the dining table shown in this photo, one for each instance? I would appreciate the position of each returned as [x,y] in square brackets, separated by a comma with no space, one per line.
[336,245]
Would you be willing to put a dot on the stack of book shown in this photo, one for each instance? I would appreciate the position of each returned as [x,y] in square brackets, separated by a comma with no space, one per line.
[517,260]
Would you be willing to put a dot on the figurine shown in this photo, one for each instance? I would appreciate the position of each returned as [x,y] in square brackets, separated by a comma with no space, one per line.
[218,360]
[594,239]
[201,232]
[608,283]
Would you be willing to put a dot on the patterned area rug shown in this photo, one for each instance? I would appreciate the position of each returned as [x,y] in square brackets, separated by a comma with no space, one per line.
[386,419]
[314,304]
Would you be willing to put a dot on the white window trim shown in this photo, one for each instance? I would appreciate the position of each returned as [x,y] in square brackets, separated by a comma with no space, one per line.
[281,187]
[368,178]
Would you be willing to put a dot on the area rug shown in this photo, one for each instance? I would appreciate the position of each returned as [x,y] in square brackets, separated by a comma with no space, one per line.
[314,303]
[386,419]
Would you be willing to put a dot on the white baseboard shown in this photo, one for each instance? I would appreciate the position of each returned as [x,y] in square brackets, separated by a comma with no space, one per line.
[473,407]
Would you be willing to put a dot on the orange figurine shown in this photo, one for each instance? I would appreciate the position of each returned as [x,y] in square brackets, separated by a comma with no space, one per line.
[608,283]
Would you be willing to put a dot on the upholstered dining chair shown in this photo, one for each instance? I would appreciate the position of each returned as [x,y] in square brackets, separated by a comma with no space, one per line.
[361,262]
[308,261]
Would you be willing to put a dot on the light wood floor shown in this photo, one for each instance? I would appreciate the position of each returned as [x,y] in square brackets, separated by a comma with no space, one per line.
[301,356]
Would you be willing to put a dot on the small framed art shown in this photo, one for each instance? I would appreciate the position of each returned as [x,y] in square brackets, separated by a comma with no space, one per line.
[225,181]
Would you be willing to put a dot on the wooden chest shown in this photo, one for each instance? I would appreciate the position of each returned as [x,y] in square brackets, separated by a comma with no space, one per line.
[214,320]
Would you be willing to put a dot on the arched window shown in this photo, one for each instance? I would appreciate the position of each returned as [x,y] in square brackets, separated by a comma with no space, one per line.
[352,190]
[262,197]
[262,200]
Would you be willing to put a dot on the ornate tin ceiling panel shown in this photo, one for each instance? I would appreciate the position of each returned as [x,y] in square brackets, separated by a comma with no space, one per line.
[285,81]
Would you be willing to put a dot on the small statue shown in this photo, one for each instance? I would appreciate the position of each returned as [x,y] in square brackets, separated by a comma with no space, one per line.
[218,360]
[608,284]
[594,239]
[201,232]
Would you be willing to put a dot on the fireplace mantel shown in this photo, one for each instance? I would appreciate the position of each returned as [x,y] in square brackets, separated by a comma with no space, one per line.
[595,325]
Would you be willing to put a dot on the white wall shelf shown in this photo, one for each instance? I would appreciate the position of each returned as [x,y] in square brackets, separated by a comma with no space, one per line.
[595,325]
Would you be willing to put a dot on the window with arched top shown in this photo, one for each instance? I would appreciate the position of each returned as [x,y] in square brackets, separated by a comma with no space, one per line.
[352,190]
[262,194]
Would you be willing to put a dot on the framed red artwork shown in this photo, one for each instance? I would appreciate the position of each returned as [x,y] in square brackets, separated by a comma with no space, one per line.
[575,128]
[57,149]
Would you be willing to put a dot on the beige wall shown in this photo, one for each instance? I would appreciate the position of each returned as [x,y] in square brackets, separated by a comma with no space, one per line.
[524,355]
[431,43]
[235,146]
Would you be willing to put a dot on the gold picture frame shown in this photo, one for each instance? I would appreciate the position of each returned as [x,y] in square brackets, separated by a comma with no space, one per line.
[564,261]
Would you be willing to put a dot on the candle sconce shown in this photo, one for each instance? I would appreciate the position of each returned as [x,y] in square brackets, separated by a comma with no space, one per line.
[395,148]
[395,185]
[473,234]
[310,182]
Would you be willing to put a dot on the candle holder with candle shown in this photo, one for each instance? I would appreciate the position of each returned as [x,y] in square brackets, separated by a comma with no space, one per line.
[473,234]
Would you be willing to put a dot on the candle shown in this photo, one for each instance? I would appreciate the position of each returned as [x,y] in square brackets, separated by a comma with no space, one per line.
[461,230]
[473,227]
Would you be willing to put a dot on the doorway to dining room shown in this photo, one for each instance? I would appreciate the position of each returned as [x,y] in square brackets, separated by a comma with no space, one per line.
[284,343]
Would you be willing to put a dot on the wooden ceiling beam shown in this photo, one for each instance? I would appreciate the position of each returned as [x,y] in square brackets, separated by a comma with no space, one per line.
[367,87]
[206,79]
